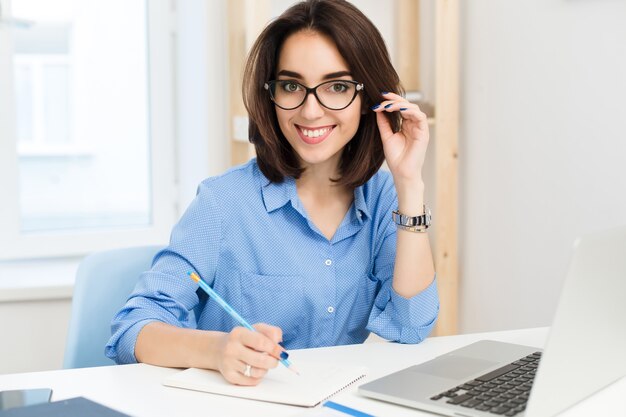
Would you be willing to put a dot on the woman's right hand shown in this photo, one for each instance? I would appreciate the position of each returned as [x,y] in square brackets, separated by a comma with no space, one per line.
[242,347]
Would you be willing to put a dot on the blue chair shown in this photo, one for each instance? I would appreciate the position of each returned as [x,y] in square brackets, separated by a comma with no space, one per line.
[104,281]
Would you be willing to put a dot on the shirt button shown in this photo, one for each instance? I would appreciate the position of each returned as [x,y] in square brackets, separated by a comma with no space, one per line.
[330,309]
[328,262]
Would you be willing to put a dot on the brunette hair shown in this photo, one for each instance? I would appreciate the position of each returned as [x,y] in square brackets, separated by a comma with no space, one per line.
[361,45]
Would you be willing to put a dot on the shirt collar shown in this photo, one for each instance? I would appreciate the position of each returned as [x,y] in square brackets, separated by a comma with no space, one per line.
[360,206]
[276,195]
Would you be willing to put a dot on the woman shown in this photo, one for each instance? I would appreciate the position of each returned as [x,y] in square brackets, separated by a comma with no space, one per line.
[302,239]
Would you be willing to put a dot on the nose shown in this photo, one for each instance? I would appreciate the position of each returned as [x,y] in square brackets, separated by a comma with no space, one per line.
[311,108]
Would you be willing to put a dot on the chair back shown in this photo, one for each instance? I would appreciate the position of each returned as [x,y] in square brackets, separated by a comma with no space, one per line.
[104,281]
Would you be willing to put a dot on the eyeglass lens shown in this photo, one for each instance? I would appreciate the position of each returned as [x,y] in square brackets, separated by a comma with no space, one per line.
[332,94]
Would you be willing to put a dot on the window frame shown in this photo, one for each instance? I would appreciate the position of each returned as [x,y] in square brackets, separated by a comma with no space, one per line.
[15,244]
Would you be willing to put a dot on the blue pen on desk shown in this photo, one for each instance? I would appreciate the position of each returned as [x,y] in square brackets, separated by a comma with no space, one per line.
[215,296]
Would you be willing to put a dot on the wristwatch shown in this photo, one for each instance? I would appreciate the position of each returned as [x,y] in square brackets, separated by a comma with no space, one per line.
[413,224]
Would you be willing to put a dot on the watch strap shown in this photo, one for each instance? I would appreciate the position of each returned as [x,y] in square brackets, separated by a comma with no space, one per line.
[422,221]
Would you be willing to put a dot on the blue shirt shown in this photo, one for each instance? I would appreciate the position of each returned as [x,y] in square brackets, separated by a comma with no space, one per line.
[253,242]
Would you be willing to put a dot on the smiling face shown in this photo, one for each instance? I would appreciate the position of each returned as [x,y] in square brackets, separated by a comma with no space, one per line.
[317,134]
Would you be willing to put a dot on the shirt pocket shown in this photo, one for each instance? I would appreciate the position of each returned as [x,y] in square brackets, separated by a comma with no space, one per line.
[275,300]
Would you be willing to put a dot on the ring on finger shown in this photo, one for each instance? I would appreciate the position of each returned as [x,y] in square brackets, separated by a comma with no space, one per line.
[248,371]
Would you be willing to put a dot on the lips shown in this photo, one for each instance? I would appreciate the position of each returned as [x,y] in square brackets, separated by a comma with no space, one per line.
[314,135]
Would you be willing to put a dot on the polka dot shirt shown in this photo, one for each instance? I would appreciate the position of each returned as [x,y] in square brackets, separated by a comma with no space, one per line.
[253,242]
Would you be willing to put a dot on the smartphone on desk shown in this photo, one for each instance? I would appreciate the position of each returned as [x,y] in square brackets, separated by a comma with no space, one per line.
[24,397]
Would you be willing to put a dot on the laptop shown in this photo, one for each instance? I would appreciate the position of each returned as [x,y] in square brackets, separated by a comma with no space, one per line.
[584,352]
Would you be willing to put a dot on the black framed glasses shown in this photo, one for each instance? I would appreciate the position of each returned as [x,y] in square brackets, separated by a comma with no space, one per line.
[334,94]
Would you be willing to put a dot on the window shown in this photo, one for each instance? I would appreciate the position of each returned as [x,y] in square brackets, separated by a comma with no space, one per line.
[86,126]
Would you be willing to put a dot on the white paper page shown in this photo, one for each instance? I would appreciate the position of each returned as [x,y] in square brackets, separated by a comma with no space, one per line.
[316,382]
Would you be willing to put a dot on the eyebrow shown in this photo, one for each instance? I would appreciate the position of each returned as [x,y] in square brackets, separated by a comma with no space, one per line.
[332,75]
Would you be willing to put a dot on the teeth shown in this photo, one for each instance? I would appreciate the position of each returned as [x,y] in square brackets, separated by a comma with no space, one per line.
[315,133]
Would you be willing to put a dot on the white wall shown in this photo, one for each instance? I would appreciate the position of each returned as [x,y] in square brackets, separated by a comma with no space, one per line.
[33,334]
[542,149]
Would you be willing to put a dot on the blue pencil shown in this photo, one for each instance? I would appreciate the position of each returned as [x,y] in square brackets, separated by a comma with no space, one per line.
[215,296]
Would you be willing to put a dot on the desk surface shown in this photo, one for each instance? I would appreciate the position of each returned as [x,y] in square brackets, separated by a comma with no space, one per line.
[137,389]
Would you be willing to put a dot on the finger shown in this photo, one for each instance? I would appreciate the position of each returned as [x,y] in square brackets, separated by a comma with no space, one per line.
[399,105]
[256,341]
[260,342]
[257,349]
[392,96]
[272,332]
[254,373]
[414,114]
[386,104]
[260,360]
[235,375]
[384,125]
[408,111]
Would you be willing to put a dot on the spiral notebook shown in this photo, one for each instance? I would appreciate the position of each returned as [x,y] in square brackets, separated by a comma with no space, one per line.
[316,383]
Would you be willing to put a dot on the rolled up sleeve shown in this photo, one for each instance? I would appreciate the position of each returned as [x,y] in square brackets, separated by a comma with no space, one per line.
[146,304]
[164,293]
[404,320]
[121,347]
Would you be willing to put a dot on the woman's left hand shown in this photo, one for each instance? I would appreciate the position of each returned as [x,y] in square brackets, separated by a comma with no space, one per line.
[405,150]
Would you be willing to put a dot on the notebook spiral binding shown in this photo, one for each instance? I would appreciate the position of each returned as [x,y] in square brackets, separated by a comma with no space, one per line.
[342,388]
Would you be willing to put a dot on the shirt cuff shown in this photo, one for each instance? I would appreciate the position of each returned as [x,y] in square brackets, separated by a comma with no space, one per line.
[123,351]
[422,308]
[404,320]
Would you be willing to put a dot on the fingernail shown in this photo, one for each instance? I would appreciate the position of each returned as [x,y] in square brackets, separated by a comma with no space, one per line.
[403,109]
[284,355]
[384,93]
[375,106]
[388,105]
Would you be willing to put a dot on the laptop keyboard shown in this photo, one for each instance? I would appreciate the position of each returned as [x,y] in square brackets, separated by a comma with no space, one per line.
[504,391]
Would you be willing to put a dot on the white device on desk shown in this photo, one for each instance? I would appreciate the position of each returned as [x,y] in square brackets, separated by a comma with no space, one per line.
[584,353]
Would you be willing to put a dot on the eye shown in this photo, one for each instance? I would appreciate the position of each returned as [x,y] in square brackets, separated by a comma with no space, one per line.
[338,87]
[290,86]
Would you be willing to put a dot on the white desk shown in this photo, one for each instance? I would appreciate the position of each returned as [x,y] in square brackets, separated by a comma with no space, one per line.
[137,390]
